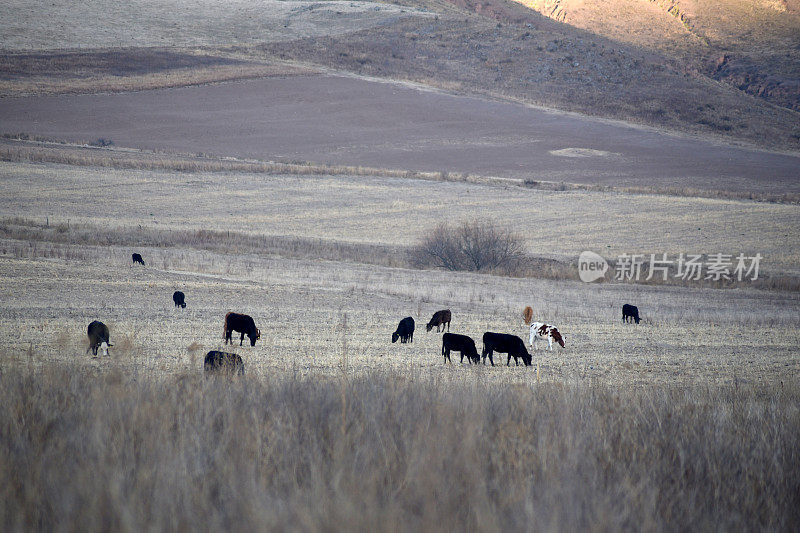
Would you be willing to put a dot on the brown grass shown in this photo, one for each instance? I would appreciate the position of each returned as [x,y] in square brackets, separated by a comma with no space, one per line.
[686,192]
[36,239]
[39,149]
[120,70]
[111,449]
[178,163]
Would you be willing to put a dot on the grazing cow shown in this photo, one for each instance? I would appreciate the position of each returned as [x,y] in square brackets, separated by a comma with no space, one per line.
[630,312]
[223,362]
[459,343]
[405,331]
[98,338]
[540,330]
[243,324]
[136,258]
[178,298]
[439,318]
[505,343]
[527,315]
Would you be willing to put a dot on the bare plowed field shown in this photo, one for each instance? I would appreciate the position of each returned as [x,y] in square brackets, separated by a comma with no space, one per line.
[341,120]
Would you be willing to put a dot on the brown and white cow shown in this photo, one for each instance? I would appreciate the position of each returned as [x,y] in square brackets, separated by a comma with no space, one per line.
[540,330]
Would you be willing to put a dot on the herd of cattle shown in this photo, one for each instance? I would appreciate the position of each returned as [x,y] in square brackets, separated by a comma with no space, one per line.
[511,345]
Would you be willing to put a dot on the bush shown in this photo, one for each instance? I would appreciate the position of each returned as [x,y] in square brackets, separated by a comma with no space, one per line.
[472,246]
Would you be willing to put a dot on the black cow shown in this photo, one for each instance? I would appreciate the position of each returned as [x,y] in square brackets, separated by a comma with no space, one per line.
[98,338]
[505,343]
[439,318]
[227,363]
[178,298]
[405,331]
[459,343]
[136,258]
[630,312]
[243,324]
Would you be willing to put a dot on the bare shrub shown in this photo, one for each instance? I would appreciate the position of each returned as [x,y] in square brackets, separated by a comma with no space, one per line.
[473,246]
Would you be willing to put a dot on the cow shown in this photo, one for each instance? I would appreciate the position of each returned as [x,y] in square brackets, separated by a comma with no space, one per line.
[178,298]
[439,318]
[136,258]
[405,331]
[527,315]
[630,311]
[540,330]
[98,338]
[459,343]
[223,362]
[243,324]
[505,343]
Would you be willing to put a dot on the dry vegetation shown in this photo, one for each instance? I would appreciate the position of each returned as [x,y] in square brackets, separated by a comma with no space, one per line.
[110,449]
[688,420]
[119,70]
[22,147]
[340,209]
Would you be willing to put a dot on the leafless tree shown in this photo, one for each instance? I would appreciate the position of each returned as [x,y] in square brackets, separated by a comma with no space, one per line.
[472,246]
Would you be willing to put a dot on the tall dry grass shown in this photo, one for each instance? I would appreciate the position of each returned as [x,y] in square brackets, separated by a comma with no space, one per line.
[87,448]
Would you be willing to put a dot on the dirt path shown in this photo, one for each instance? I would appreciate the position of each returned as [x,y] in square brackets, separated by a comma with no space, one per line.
[344,120]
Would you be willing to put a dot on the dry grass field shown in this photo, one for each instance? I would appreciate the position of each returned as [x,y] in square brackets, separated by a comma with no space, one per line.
[47,25]
[689,419]
[111,449]
[302,302]
[342,134]
[398,211]
[686,420]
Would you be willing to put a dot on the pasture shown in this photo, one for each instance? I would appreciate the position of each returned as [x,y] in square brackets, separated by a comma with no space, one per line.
[314,314]
[688,419]
[282,159]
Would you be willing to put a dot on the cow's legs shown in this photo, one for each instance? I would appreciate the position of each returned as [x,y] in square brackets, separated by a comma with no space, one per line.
[550,342]
[241,339]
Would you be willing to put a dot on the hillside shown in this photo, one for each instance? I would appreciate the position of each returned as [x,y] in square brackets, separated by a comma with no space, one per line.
[726,69]
[751,45]
[531,59]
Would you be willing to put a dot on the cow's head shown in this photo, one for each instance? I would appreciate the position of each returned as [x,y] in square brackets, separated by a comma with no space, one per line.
[395,336]
[429,326]
[557,336]
[104,348]
[254,337]
[526,358]
[636,318]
